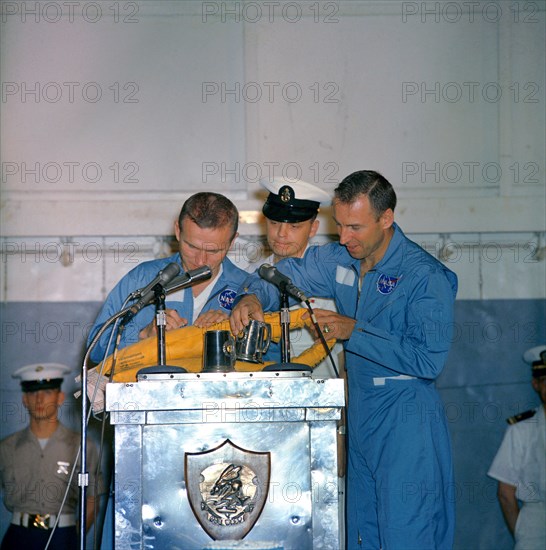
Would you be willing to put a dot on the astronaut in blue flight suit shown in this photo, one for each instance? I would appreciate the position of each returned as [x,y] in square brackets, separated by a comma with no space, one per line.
[205,230]
[395,305]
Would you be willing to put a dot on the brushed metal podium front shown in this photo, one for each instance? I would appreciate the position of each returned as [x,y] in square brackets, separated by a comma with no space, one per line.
[226,457]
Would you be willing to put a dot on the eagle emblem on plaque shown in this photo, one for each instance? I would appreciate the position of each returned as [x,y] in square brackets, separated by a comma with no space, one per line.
[227,488]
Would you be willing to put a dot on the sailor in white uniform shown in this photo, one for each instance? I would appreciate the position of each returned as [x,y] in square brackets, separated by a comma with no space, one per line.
[520,465]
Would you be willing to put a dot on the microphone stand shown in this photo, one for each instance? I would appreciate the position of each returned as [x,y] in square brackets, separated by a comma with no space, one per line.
[161,322]
[125,315]
[284,313]
[83,475]
[321,336]
[286,364]
[179,283]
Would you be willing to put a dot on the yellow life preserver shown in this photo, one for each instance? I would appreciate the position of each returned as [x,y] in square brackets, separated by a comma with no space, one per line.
[184,348]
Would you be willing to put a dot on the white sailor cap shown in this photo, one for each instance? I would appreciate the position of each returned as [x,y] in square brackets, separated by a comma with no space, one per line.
[536,357]
[41,376]
[292,201]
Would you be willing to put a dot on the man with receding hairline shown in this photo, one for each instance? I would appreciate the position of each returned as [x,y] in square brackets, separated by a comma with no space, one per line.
[205,230]
[395,304]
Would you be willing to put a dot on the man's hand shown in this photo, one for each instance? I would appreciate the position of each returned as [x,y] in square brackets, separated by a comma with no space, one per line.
[247,309]
[509,504]
[173,320]
[210,318]
[332,324]
[90,512]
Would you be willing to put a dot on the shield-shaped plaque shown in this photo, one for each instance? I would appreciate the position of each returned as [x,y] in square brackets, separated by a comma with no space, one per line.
[227,489]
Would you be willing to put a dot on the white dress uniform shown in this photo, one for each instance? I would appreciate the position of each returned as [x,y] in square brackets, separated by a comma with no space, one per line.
[521,462]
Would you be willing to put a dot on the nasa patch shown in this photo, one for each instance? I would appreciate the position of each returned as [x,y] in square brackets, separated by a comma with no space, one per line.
[386,284]
[226,297]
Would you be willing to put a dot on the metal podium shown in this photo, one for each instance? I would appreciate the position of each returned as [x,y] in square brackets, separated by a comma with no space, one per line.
[226,460]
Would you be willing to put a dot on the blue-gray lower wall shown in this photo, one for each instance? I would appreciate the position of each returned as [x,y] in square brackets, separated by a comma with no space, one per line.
[484,382]
[33,332]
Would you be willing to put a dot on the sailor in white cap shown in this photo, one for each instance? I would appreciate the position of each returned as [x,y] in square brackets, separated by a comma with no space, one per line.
[36,467]
[290,211]
[520,465]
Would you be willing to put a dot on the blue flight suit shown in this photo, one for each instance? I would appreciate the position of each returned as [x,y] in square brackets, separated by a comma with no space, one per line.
[221,298]
[399,473]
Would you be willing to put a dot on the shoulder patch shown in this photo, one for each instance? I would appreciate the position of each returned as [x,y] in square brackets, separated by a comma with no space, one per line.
[226,298]
[345,276]
[521,416]
[386,284]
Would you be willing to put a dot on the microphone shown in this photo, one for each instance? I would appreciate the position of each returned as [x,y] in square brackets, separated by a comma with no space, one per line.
[274,276]
[189,278]
[147,294]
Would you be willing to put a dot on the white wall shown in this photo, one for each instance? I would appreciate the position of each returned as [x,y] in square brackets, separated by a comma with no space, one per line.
[110,118]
